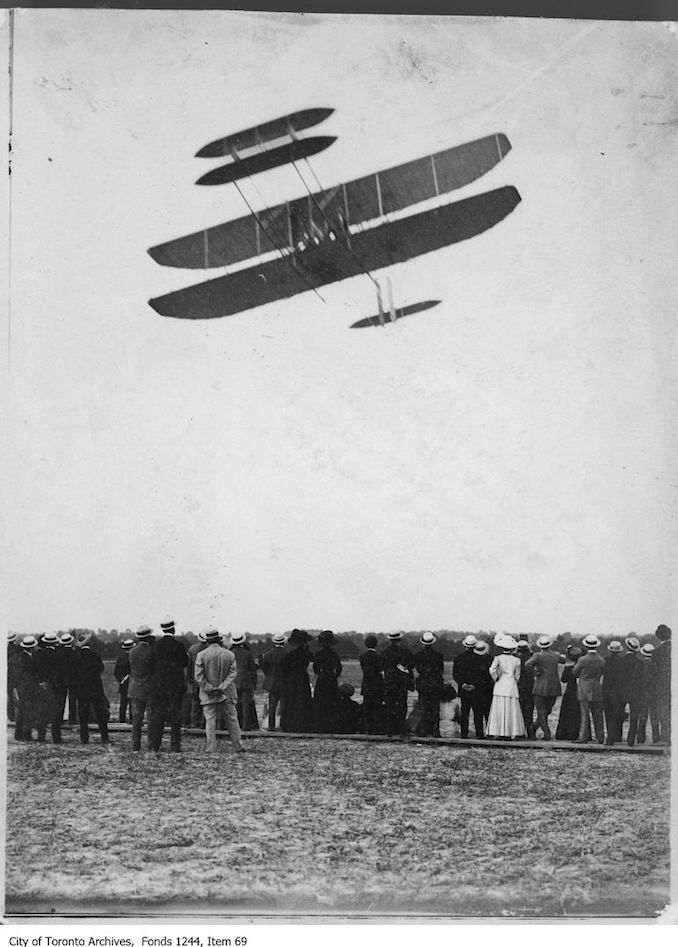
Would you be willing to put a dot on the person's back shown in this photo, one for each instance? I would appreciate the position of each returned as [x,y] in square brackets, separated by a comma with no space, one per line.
[372,668]
[246,680]
[169,666]
[588,672]
[142,665]
[544,665]
[215,674]
[88,670]
[271,665]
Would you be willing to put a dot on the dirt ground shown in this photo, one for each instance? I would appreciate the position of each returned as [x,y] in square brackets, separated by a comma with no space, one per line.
[324,827]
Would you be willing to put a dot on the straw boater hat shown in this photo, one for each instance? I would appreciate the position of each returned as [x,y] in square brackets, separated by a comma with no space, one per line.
[394,635]
[279,638]
[544,642]
[66,639]
[428,638]
[50,638]
[144,633]
[470,641]
[212,636]
[167,626]
[201,635]
[482,648]
[239,638]
[632,643]
[590,642]
[84,639]
[29,643]
[523,644]
[647,650]
[11,635]
[127,644]
[615,647]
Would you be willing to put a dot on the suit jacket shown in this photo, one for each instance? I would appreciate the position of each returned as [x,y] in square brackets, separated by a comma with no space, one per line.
[271,665]
[216,667]
[88,670]
[632,663]
[470,669]
[429,665]
[614,678]
[142,664]
[588,672]
[392,656]
[660,672]
[47,669]
[122,668]
[169,671]
[190,667]
[246,679]
[546,680]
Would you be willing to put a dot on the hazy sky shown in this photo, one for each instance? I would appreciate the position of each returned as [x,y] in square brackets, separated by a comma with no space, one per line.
[505,460]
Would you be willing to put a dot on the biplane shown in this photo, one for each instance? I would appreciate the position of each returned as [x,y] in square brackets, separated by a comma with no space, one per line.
[351,229]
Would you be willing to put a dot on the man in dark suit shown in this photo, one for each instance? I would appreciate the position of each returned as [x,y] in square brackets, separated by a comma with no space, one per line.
[196,717]
[245,682]
[468,671]
[90,691]
[13,664]
[372,687]
[546,687]
[142,665]
[588,673]
[614,692]
[526,686]
[660,687]
[638,722]
[398,679]
[121,672]
[271,665]
[27,691]
[48,673]
[429,665]
[166,688]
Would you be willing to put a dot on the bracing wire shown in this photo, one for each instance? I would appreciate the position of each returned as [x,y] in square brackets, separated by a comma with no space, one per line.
[284,256]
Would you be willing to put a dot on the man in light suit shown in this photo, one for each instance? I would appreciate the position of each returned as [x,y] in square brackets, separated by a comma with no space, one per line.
[215,674]
[588,673]
[546,683]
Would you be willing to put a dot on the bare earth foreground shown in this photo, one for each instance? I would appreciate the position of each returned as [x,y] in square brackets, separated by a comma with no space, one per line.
[330,827]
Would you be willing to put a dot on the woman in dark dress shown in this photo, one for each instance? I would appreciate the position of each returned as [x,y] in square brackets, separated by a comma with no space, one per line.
[570,716]
[296,710]
[327,667]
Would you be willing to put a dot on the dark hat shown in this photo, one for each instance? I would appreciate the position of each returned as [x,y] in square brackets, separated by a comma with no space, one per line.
[212,636]
[346,690]
[371,641]
[127,644]
[167,626]
[299,637]
[663,632]
[447,692]
[325,637]
[573,651]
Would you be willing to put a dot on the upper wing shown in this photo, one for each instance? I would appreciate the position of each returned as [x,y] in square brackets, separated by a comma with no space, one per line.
[332,261]
[265,160]
[362,199]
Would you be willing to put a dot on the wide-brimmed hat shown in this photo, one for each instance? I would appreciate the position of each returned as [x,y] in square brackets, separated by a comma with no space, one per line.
[663,632]
[167,626]
[470,641]
[239,638]
[211,635]
[647,650]
[394,635]
[127,644]
[279,638]
[143,632]
[428,638]
[29,642]
[500,639]
[591,642]
[615,647]
[299,636]
[346,690]
[50,638]
[544,641]
[510,643]
[632,643]
[371,641]
[325,637]
[482,648]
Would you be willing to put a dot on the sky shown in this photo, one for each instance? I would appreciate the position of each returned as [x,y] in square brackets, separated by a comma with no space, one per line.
[503,461]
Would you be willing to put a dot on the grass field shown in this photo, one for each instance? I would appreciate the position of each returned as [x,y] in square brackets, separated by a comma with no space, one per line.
[323,827]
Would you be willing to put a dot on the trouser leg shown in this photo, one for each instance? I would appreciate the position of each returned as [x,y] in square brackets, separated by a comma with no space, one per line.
[210,711]
[273,701]
[138,711]
[83,711]
[465,712]
[664,711]
[122,714]
[10,702]
[232,724]
[585,725]
[654,721]
[643,711]
[197,718]
[156,721]
[478,704]
[597,714]
[175,722]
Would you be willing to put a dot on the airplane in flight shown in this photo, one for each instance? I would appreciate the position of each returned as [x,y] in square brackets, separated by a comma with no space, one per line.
[328,235]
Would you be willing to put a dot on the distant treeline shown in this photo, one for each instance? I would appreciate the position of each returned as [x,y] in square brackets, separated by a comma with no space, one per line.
[351,644]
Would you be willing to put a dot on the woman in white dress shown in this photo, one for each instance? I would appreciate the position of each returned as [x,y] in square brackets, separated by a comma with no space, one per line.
[506,718]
